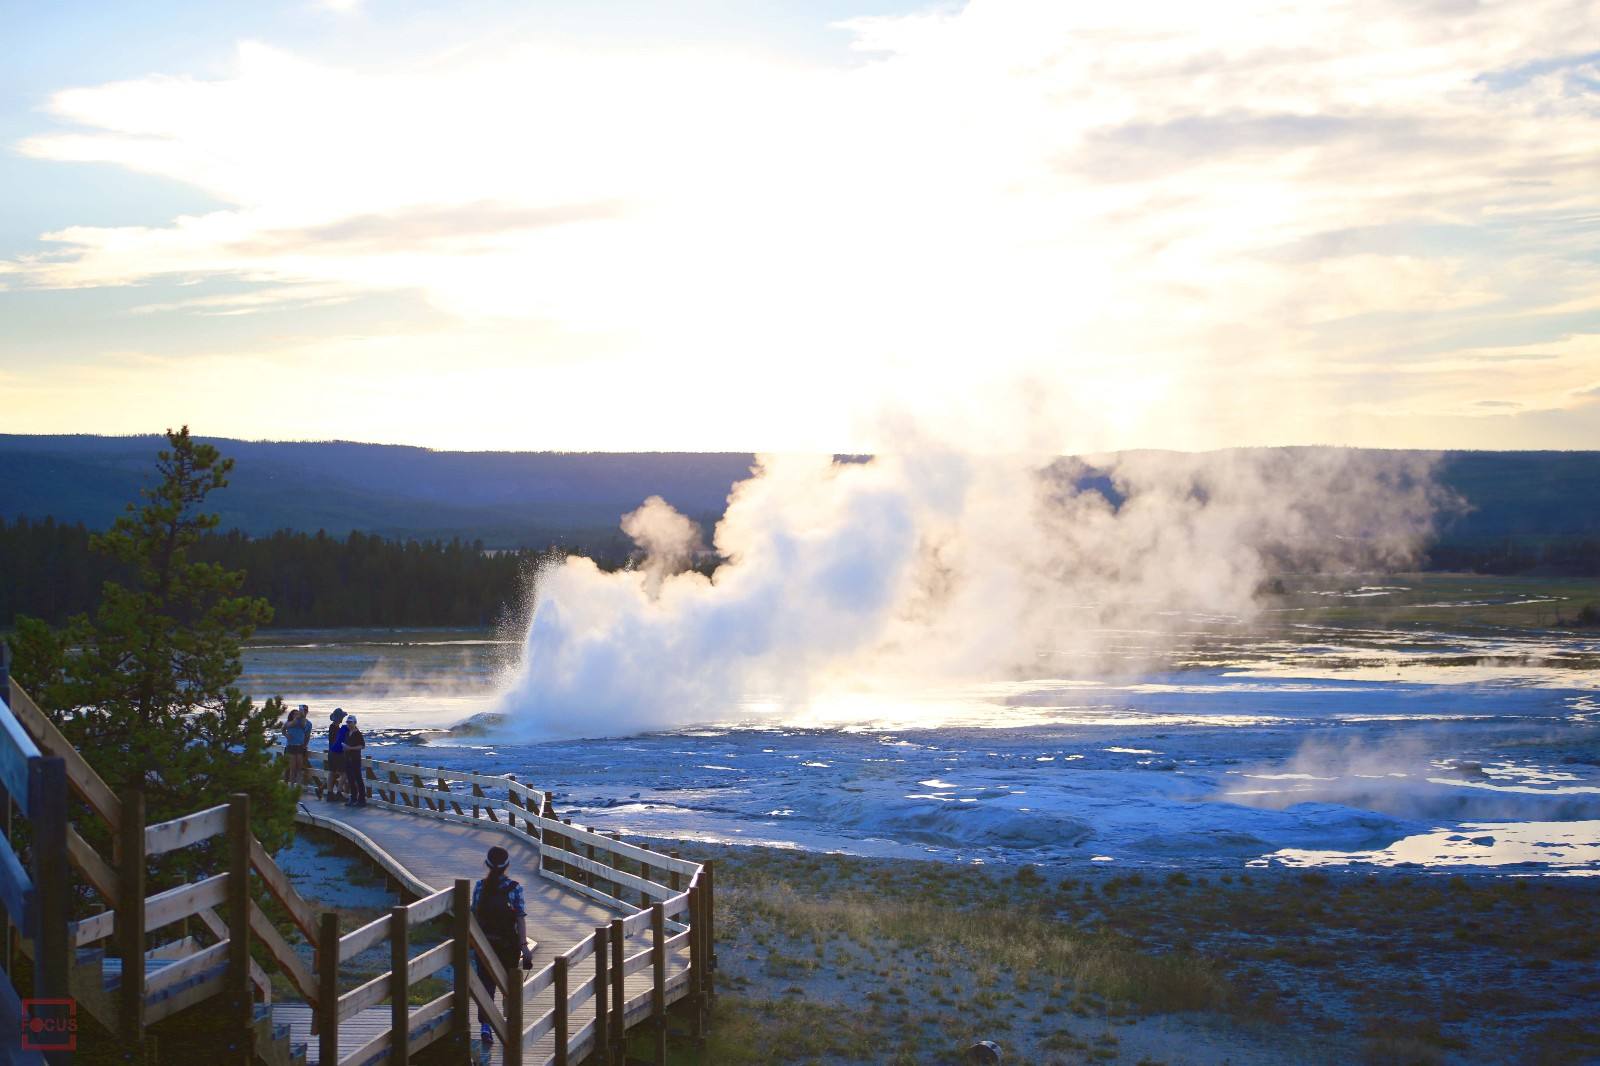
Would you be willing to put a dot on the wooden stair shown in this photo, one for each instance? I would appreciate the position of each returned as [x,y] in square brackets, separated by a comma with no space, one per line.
[94,979]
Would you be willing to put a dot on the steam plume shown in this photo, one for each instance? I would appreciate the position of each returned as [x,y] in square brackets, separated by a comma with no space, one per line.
[925,567]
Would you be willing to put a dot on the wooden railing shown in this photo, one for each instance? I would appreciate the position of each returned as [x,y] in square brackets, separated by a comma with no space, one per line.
[34,895]
[664,908]
[226,967]
[667,932]
[592,864]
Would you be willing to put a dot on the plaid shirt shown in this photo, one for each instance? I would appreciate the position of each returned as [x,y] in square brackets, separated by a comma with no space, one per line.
[515,896]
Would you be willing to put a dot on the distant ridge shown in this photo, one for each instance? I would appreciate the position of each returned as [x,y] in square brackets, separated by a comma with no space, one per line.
[506,499]
[534,499]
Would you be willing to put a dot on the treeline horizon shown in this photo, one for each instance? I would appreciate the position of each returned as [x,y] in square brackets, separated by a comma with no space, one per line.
[314,580]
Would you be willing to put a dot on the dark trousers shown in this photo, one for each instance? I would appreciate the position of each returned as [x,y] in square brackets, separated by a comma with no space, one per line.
[352,774]
[510,957]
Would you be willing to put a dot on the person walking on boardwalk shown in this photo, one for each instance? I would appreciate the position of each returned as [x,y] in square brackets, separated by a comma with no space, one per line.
[336,733]
[297,741]
[354,742]
[498,906]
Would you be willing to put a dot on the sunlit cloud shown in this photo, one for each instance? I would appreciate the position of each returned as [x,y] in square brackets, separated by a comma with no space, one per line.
[1163,224]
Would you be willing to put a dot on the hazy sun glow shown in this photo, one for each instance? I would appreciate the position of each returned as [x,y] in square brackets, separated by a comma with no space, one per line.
[1025,224]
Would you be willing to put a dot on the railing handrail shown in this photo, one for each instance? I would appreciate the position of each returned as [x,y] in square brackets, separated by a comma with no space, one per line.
[80,775]
[185,830]
[587,836]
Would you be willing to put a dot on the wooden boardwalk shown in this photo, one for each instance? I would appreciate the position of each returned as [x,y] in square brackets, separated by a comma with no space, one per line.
[436,853]
[622,931]
[427,855]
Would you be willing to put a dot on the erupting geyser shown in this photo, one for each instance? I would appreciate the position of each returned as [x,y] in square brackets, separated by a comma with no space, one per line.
[920,567]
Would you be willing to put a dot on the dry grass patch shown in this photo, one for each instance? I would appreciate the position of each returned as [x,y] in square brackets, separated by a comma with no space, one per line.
[983,942]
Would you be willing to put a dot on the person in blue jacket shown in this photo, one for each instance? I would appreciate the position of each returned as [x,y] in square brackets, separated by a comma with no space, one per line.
[336,734]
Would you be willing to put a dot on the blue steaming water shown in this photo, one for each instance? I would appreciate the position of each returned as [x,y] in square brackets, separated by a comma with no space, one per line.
[1376,747]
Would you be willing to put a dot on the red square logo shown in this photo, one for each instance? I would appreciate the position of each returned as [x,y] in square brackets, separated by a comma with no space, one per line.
[49,1025]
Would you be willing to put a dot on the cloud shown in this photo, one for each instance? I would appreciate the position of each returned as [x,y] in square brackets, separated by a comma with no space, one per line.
[1169,225]
[425,227]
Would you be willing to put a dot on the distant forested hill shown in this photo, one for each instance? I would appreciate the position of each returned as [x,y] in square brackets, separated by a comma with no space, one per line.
[505,499]
[1526,510]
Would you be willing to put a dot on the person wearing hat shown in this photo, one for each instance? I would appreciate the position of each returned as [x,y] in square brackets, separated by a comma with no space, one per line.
[335,755]
[497,904]
[354,743]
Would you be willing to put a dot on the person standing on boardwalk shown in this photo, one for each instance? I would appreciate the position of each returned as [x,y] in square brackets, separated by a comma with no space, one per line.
[336,755]
[498,906]
[297,741]
[354,742]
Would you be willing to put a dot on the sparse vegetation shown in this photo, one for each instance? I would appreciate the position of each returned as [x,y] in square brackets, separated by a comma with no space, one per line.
[908,961]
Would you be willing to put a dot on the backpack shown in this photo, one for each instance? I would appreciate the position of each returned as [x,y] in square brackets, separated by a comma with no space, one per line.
[495,913]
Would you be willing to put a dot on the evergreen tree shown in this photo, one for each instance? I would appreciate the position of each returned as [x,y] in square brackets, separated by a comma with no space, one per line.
[146,687]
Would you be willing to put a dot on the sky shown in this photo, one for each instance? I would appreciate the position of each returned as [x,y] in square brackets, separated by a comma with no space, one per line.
[805,225]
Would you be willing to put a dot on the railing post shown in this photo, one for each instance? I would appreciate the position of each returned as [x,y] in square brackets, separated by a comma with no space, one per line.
[702,958]
[130,920]
[461,962]
[619,991]
[238,980]
[602,989]
[399,987]
[616,862]
[658,985]
[8,961]
[328,988]
[561,1010]
[514,1002]
[571,872]
[5,697]
[47,813]
[696,964]
[709,904]
[511,819]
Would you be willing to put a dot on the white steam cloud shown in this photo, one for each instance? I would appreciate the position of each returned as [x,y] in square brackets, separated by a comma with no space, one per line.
[922,568]
[668,540]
